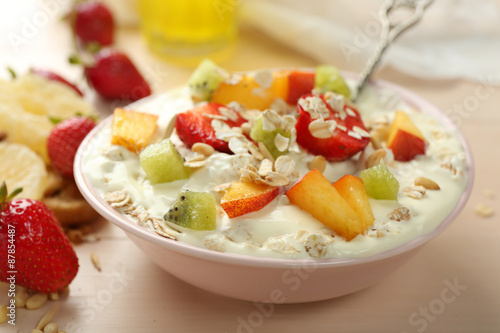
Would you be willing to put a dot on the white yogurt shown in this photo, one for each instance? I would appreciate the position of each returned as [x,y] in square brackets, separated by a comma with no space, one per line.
[280,229]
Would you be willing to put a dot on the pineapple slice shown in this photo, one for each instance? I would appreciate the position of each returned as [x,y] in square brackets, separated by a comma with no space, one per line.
[132,129]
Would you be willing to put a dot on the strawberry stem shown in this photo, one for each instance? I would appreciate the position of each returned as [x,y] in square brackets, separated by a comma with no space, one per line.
[5,196]
[12,73]
[74,59]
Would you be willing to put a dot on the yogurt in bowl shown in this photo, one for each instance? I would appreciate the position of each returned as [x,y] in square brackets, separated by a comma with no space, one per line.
[280,235]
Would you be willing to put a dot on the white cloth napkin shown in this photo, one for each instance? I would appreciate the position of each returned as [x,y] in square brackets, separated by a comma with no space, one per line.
[454,39]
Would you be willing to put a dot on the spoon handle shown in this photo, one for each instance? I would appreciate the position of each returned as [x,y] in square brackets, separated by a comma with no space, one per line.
[391,30]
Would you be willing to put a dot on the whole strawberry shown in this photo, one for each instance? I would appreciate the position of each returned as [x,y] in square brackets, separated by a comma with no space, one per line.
[34,251]
[55,77]
[93,24]
[114,76]
[64,140]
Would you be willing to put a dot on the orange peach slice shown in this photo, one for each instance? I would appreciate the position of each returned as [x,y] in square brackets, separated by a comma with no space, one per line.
[404,138]
[315,194]
[243,198]
[352,189]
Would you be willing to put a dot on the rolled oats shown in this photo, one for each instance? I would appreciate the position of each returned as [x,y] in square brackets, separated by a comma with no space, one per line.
[361,131]
[271,120]
[266,166]
[281,245]
[415,192]
[215,116]
[246,128]
[117,199]
[264,78]
[400,214]
[315,107]
[315,246]
[221,187]
[336,101]
[265,152]
[215,243]
[288,122]
[170,127]
[195,164]
[255,151]
[280,106]
[163,229]
[276,179]
[285,165]
[281,142]
[238,145]
[229,114]
[322,129]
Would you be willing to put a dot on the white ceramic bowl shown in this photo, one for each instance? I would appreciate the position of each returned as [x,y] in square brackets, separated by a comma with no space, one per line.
[268,279]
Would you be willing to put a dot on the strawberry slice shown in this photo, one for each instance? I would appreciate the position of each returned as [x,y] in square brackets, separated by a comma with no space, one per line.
[34,251]
[343,134]
[195,125]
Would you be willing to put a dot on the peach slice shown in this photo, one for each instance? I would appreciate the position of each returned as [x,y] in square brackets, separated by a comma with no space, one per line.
[404,138]
[250,93]
[132,129]
[243,198]
[352,189]
[315,194]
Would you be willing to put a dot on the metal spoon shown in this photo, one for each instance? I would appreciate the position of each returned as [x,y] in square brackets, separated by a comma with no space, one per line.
[391,30]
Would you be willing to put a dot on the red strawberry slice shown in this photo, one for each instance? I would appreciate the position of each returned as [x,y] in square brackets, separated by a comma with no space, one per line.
[93,23]
[64,140]
[195,125]
[34,251]
[349,137]
[115,76]
[55,77]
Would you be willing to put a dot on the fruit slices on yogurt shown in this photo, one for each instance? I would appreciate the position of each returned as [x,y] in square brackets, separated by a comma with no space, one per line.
[279,163]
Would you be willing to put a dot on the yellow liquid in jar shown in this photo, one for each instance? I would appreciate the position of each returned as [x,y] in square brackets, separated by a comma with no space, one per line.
[186,31]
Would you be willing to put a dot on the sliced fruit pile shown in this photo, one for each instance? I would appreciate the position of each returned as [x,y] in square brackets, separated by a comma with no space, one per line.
[261,117]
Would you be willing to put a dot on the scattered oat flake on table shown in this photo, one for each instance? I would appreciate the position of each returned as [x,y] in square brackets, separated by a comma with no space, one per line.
[488,193]
[484,210]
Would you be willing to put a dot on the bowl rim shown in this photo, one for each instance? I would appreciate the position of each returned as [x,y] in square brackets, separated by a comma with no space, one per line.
[112,215]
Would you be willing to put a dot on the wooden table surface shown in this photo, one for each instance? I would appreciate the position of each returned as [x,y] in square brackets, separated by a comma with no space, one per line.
[132,294]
